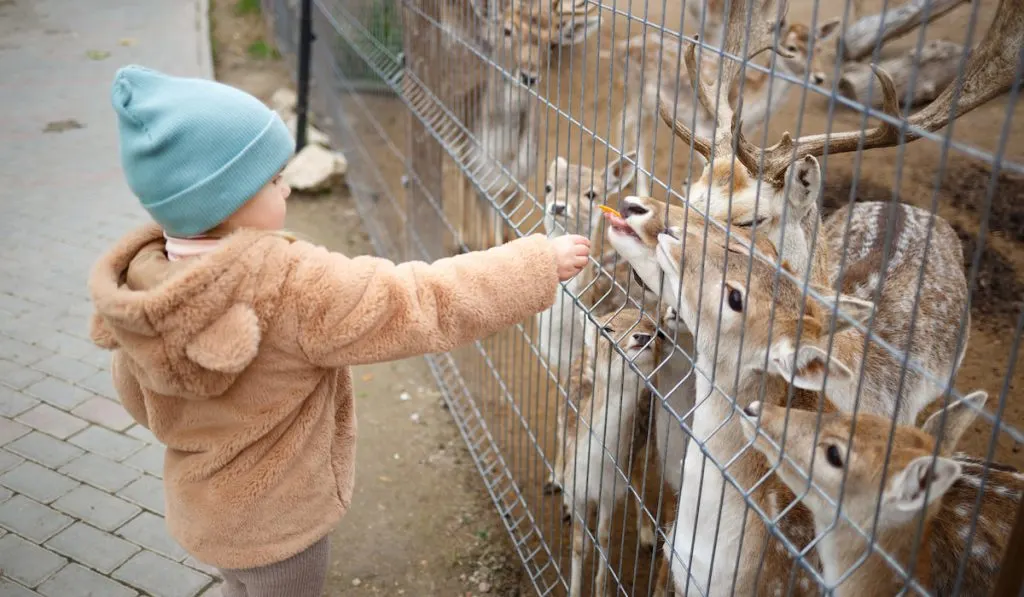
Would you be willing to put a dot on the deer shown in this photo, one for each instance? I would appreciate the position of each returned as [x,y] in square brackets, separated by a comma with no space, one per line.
[572,195]
[650,64]
[746,359]
[775,191]
[610,399]
[700,279]
[506,130]
[918,491]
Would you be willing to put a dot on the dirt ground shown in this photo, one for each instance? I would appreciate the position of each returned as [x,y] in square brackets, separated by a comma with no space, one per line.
[426,517]
[420,522]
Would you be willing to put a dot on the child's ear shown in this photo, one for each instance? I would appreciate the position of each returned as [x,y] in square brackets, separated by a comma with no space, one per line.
[807,367]
[958,417]
[906,491]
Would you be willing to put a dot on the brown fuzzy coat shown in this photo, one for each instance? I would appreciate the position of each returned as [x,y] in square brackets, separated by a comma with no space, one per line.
[238,361]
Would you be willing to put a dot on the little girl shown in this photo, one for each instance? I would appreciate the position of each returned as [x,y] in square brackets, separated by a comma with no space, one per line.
[232,340]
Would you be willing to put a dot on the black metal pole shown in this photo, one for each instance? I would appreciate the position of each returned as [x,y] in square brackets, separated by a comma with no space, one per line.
[305,49]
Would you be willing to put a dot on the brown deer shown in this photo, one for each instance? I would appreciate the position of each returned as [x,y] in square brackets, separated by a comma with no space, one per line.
[851,463]
[776,190]
[740,358]
[505,129]
[651,61]
[610,400]
[572,195]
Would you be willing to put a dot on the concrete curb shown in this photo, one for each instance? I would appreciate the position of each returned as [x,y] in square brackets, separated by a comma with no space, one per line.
[204,49]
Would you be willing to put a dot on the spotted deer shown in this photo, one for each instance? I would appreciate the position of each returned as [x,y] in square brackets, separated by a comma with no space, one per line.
[740,358]
[651,64]
[775,192]
[610,399]
[503,152]
[572,195]
[914,484]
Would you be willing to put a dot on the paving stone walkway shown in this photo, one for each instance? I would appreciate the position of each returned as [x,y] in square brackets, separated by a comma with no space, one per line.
[81,497]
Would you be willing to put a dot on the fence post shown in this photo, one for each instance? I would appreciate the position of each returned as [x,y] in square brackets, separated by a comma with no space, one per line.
[305,50]
[425,155]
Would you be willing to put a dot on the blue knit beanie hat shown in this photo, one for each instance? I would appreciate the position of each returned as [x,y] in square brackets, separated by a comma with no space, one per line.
[194,151]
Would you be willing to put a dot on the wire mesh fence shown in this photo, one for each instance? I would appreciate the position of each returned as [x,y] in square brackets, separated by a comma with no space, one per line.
[789,367]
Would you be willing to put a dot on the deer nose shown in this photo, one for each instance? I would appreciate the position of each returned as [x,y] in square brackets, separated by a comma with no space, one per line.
[753,409]
[528,79]
[634,209]
[557,210]
[818,78]
[642,339]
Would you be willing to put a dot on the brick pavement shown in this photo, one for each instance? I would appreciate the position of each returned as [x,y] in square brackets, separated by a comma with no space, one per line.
[81,497]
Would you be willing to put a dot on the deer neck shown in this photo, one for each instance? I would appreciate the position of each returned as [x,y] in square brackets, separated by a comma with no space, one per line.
[842,547]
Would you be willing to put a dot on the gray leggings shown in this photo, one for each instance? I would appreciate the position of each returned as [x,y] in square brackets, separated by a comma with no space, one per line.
[301,575]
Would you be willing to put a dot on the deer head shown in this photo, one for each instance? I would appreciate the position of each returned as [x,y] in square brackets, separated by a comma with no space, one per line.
[737,298]
[777,188]
[521,38]
[636,335]
[900,489]
[572,193]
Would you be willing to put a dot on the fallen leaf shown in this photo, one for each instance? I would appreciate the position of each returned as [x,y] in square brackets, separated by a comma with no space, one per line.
[98,54]
[127,41]
[59,126]
[368,377]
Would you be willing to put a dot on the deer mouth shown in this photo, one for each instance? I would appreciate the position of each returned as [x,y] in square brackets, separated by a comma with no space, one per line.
[617,223]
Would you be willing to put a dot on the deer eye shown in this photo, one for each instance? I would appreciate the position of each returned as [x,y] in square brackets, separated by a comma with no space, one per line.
[590,195]
[735,300]
[548,188]
[508,32]
[791,48]
[750,223]
[833,457]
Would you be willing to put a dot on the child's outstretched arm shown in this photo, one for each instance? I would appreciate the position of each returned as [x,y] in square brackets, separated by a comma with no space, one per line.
[366,309]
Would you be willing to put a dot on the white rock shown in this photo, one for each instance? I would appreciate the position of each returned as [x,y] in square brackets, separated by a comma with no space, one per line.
[314,136]
[313,169]
[340,164]
[284,100]
[404,396]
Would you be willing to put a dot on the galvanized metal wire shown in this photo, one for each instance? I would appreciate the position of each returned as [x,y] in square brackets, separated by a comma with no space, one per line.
[444,106]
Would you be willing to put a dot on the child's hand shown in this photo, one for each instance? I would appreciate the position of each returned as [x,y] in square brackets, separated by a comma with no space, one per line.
[571,252]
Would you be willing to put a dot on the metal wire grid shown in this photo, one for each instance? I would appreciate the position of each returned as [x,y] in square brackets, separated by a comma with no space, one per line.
[497,390]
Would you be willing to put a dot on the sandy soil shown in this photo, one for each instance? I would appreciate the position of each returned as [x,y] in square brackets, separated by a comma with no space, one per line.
[520,410]
[420,522]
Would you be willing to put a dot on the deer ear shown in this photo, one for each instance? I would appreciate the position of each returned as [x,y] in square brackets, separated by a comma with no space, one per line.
[827,29]
[619,173]
[577,30]
[906,491]
[561,163]
[959,416]
[806,368]
[854,308]
[804,183]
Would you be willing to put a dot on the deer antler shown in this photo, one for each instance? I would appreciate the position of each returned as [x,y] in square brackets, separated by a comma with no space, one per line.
[761,37]
[989,72]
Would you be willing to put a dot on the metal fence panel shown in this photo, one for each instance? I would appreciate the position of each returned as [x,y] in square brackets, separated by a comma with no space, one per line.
[790,364]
